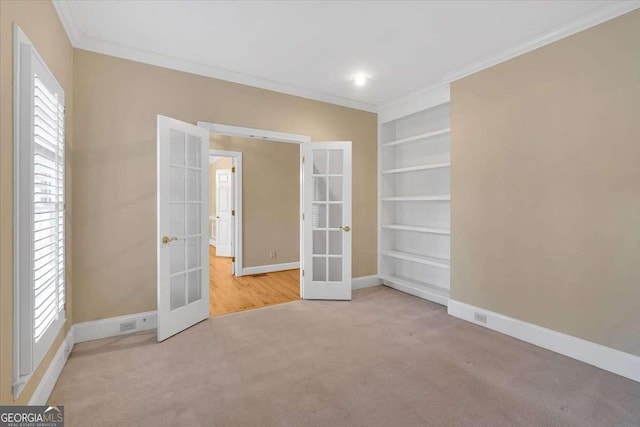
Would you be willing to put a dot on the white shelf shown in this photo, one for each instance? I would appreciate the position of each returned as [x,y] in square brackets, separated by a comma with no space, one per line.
[414,189]
[432,230]
[417,168]
[421,259]
[420,289]
[440,198]
[427,135]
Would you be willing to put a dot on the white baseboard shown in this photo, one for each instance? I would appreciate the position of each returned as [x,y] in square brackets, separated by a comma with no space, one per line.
[105,328]
[212,242]
[45,387]
[365,282]
[248,271]
[609,359]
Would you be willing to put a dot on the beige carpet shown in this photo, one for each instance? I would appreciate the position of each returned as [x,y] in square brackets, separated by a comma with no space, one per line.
[383,359]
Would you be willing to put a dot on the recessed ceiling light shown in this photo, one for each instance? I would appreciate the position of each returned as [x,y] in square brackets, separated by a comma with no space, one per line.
[360,79]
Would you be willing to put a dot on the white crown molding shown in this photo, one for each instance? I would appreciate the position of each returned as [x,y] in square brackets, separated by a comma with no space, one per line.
[78,40]
[67,21]
[600,15]
[584,22]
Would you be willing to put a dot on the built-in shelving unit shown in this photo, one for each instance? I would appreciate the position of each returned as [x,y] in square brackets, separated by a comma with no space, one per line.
[414,211]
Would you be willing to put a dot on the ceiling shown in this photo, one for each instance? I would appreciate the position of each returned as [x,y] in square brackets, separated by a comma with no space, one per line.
[312,49]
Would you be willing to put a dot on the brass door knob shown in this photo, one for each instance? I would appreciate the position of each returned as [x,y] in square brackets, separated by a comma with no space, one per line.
[346,228]
[167,239]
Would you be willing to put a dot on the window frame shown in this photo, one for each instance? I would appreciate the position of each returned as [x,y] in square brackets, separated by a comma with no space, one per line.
[28,354]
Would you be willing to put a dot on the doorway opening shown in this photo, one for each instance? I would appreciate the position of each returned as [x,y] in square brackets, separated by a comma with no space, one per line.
[254,220]
[323,242]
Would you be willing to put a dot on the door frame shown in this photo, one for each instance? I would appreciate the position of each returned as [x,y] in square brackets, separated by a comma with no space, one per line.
[266,135]
[236,158]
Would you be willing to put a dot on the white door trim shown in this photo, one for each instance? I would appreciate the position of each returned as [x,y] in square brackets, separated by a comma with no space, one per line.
[261,134]
[236,157]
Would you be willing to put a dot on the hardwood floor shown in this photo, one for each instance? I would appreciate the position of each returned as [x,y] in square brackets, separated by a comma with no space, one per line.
[230,293]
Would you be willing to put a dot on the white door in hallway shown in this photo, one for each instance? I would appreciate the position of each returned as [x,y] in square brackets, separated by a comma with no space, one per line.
[327,221]
[224,212]
[182,218]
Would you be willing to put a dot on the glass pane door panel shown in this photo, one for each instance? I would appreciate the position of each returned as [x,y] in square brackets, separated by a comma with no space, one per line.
[335,215]
[177,256]
[194,288]
[320,162]
[176,186]
[335,188]
[319,188]
[335,269]
[193,185]
[319,215]
[335,162]
[177,292]
[319,269]
[193,151]
[194,224]
[193,252]
[176,142]
[335,242]
[177,219]
[319,242]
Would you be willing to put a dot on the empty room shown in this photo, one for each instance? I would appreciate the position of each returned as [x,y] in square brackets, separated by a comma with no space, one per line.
[319,213]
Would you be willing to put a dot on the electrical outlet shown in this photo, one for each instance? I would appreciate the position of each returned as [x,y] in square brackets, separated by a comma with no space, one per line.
[479,317]
[127,326]
[273,254]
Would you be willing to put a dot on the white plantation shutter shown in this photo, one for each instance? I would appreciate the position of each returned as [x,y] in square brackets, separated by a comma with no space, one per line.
[48,207]
[39,210]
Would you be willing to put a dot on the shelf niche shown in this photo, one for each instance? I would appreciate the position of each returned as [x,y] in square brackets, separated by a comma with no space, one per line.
[415,211]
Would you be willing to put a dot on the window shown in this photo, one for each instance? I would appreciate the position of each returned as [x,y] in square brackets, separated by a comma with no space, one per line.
[39,217]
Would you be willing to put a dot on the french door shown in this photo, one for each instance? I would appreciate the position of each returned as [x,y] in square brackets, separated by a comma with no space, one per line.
[183,214]
[326,269]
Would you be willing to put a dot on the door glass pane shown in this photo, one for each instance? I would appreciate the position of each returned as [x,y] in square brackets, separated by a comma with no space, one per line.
[319,188]
[335,269]
[335,242]
[335,162]
[193,151]
[335,215]
[319,215]
[177,256]
[193,185]
[177,219]
[194,290]
[319,242]
[176,147]
[320,161]
[176,184]
[177,291]
[335,188]
[193,252]
[194,225]
[319,269]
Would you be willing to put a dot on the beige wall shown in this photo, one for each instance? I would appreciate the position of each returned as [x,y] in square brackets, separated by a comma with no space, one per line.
[546,186]
[271,199]
[115,160]
[40,23]
[223,163]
